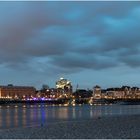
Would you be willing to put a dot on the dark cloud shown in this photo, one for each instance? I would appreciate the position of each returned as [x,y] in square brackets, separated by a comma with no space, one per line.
[82,61]
[69,36]
[131,60]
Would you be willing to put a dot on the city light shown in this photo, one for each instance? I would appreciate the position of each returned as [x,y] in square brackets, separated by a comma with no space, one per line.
[63,94]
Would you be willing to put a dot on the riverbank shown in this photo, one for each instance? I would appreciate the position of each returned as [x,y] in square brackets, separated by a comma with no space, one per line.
[105,127]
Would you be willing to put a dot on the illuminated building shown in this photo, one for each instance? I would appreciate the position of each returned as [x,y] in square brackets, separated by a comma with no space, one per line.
[115,93]
[51,93]
[47,92]
[127,91]
[42,93]
[97,92]
[135,92]
[64,87]
[17,92]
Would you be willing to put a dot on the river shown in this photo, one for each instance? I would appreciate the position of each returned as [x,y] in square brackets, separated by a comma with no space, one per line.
[23,115]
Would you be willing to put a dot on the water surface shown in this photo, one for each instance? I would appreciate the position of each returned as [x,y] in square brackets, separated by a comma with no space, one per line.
[21,115]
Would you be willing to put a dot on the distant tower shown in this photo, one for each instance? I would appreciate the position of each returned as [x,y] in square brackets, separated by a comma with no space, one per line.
[45,87]
[77,86]
[97,92]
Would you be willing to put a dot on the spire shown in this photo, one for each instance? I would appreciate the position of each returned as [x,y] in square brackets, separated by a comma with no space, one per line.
[77,86]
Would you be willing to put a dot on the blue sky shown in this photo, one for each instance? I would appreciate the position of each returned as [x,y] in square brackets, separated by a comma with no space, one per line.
[88,43]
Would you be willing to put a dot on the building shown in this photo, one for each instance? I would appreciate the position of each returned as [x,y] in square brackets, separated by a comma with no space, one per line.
[115,93]
[127,91]
[97,92]
[64,87]
[135,92]
[45,87]
[50,93]
[82,93]
[17,92]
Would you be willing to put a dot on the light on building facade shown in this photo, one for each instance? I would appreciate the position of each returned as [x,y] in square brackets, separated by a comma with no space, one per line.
[64,87]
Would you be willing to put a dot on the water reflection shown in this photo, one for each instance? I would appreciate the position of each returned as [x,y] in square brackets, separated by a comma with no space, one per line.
[8,118]
[73,113]
[97,111]
[62,113]
[91,113]
[43,114]
[15,117]
[26,115]
[24,106]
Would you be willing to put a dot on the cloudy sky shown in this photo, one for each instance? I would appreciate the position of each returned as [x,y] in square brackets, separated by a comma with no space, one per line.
[88,43]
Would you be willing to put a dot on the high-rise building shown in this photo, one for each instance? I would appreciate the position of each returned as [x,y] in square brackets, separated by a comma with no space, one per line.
[64,87]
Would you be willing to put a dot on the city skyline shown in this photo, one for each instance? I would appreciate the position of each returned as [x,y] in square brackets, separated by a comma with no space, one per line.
[88,43]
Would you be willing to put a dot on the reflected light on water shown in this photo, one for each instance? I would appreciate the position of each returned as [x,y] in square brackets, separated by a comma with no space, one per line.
[8,118]
[91,113]
[43,115]
[73,113]
[31,106]
[23,115]
[63,113]
[16,117]
[0,119]
[80,113]
[24,106]
[97,111]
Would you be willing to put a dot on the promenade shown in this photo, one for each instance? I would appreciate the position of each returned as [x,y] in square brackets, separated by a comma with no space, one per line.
[116,127]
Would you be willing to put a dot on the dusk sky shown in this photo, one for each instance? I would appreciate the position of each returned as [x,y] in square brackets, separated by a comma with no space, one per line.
[88,43]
